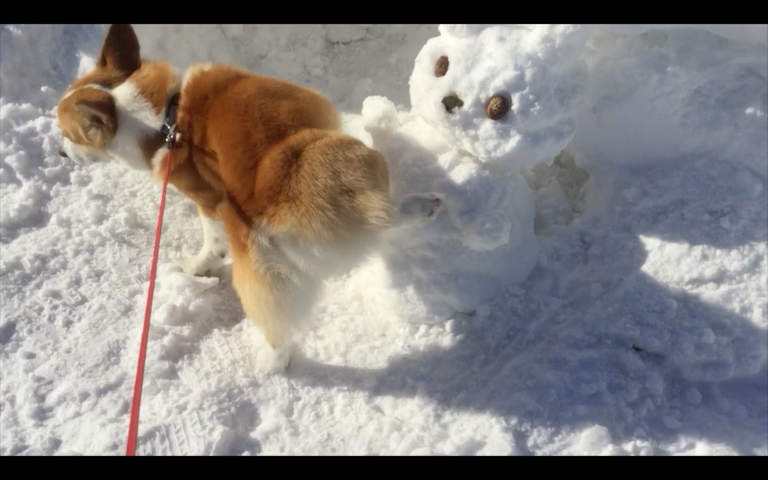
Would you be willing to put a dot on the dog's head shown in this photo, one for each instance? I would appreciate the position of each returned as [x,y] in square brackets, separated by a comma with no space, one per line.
[104,115]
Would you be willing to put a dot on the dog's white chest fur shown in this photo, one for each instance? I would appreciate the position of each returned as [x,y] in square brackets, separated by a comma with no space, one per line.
[136,119]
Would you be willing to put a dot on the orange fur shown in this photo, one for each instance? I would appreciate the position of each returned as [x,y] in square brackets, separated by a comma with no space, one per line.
[89,118]
[295,195]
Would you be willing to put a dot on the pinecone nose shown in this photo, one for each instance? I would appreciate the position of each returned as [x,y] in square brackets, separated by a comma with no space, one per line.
[451,102]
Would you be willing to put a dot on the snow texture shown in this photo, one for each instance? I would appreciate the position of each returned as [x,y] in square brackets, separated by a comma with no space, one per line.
[594,283]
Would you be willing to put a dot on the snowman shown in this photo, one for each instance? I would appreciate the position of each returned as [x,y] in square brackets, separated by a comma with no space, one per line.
[488,101]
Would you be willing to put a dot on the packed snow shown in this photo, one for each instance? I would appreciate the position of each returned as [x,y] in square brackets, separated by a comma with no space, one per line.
[595,283]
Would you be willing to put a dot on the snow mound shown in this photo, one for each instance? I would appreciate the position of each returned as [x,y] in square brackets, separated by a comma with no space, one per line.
[660,95]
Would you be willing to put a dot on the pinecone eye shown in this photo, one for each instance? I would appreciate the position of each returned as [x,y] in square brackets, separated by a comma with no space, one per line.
[497,107]
[441,66]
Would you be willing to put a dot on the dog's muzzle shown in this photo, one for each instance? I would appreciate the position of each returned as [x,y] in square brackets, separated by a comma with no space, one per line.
[62,153]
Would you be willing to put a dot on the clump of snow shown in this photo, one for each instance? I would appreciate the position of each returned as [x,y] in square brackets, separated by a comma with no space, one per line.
[594,440]
[613,279]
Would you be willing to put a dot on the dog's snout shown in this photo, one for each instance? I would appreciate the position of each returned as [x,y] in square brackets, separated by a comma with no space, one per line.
[62,153]
[451,102]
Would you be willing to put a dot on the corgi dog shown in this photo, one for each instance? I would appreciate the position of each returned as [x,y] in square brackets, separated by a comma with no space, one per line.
[276,183]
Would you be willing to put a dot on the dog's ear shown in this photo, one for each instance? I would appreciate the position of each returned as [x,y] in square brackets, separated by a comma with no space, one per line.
[121,49]
[98,118]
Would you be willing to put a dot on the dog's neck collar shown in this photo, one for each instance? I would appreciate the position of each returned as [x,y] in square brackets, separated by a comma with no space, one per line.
[169,122]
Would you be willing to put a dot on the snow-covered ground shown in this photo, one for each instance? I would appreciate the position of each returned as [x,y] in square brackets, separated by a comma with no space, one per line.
[614,300]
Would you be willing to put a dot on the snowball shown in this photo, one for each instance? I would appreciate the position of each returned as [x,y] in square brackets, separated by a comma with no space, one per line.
[379,114]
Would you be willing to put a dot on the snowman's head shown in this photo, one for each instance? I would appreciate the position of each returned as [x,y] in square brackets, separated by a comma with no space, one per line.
[507,94]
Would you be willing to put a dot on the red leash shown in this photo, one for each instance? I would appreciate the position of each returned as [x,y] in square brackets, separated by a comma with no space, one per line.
[133,428]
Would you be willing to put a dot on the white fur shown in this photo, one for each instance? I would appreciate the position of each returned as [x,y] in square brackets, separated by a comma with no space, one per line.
[293,293]
[95,86]
[214,248]
[136,119]
[157,162]
[214,238]
[273,360]
[193,71]
[75,153]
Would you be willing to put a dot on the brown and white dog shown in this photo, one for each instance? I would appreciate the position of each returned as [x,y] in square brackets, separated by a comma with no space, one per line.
[276,183]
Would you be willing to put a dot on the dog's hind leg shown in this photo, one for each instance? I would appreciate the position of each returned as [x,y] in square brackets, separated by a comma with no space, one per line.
[274,294]
[262,305]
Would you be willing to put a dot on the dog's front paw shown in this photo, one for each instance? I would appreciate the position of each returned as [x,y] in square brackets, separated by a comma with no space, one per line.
[201,265]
